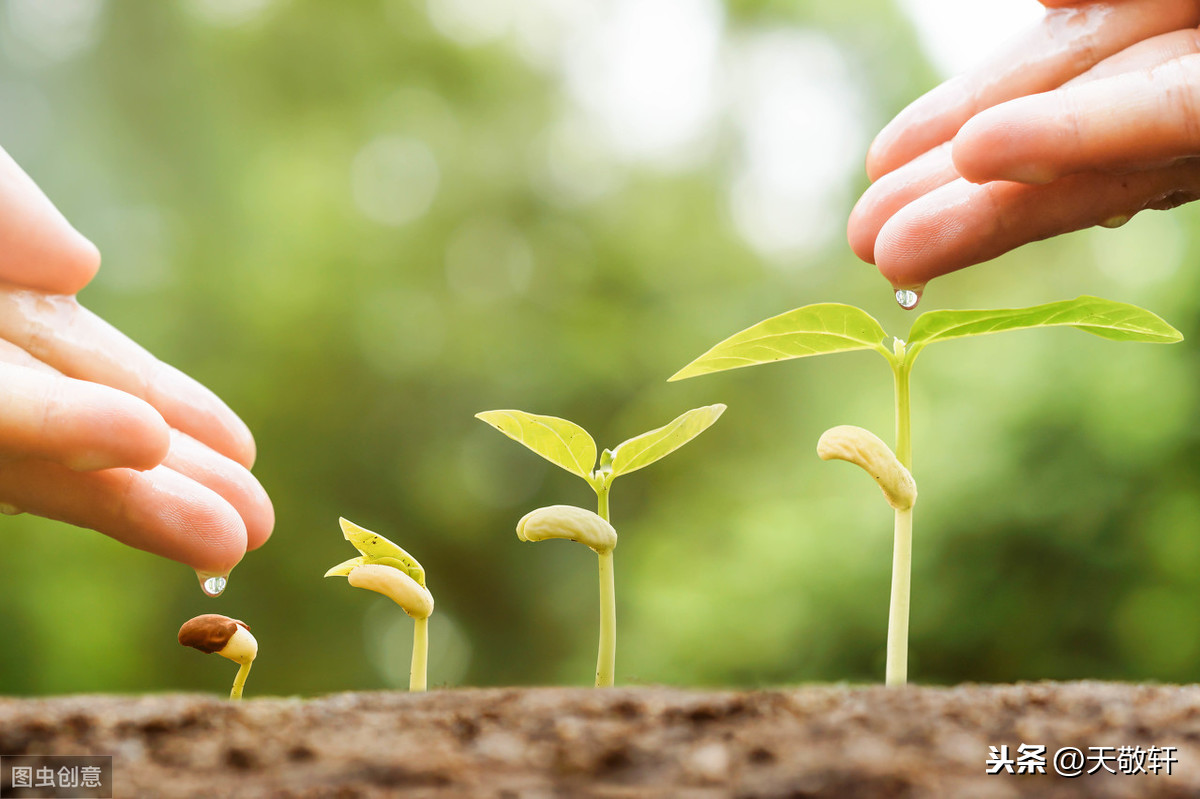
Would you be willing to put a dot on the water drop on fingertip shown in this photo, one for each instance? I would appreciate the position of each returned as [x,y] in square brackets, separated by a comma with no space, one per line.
[908,298]
[213,585]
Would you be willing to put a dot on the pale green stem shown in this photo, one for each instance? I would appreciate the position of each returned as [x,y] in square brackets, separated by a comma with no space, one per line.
[903,424]
[897,640]
[239,682]
[606,657]
[420,656]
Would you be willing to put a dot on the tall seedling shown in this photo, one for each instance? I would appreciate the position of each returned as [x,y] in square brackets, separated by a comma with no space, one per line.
[831,327]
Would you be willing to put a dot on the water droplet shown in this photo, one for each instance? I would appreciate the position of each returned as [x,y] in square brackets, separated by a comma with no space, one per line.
[10,510]
[212,584]
[908,298]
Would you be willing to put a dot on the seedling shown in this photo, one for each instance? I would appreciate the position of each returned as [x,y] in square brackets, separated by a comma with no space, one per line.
[229,638]
[831,327]
[387,569]
[567,445]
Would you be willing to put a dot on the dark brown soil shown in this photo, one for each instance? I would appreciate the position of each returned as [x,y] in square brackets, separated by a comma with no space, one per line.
[829,741]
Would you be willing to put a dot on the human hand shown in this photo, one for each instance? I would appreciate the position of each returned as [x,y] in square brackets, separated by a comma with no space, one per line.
[94,430]
[1088,118]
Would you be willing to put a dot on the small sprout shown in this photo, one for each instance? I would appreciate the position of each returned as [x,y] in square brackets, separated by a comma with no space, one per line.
[387,569]
[570,523]
[229,638]
[865,449]
[569,446]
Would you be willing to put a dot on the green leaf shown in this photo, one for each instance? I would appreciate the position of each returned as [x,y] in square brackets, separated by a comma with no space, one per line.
[812,330]
[563,443]
[645,449]
[377,549]
[1118,321]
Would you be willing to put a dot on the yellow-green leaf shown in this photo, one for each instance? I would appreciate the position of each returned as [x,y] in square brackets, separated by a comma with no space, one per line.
[645,449]
[345,567]
[559,441]
[811,330]
[377,549]
[1118,321]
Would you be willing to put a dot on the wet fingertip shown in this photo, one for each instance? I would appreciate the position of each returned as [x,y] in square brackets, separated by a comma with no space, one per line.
[193,524]
[909,250]
[220,538]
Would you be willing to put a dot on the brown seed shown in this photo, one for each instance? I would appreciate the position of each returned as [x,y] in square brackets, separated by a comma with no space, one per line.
[210,632]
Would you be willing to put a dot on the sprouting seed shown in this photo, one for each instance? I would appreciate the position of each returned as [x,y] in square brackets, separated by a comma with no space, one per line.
[230,638]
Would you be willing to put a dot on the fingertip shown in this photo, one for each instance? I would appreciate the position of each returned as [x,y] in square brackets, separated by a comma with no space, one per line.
[894,191]
[860,232]
[140,428]
[39,248]
[80,262]
[886,152]
[977,148]
[229,479]
[930,120]
[244,447]
[124,431]
[877,162]
[195,409]
[262,522]
[215,534]
[1002,143]
[911,246]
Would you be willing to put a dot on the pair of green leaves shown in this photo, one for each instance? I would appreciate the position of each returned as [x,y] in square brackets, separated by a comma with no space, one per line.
[833,327]
[569,446]
[378,550]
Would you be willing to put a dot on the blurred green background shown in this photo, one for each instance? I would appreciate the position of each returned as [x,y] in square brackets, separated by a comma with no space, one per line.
[362,223]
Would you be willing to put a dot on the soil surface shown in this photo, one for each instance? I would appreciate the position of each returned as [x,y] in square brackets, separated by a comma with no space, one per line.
[828,741]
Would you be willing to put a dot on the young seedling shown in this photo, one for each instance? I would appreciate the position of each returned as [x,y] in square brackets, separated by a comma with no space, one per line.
[387,569]
[831,327]
[569,446]
[229,638]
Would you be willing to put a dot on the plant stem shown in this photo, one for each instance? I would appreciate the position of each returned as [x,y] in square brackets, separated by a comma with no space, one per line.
[606,656]
[897,640]
[239,682]
[420,656]
[901,371]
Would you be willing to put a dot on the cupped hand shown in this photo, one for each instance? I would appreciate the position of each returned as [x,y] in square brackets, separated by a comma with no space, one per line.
[96,431]
[1087,119]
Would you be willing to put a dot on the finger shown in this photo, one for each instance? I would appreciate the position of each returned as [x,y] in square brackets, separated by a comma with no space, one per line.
[11,353]
[893,191]
[159,511]
[228,478]
[57,330]
[962,223]
[1066,43]
[81,425]
[38,247]
[1144,55]
[1120,123]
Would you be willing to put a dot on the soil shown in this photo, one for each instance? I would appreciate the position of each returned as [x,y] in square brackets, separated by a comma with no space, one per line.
[827,741]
